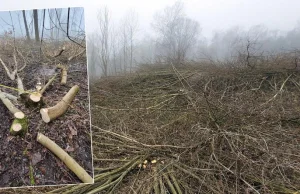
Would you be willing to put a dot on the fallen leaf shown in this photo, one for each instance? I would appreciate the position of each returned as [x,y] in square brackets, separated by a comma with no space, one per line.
[36,158]
[73,130]
[43,170]
[69,149]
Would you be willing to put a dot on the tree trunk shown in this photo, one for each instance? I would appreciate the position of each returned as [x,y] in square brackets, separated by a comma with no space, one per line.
[50,11]
[36,25]
[26,26]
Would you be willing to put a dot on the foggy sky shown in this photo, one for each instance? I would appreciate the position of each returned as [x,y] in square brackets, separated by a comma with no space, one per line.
[211,14]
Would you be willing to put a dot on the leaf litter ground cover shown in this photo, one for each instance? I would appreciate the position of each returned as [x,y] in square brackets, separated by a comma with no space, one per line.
[24,161]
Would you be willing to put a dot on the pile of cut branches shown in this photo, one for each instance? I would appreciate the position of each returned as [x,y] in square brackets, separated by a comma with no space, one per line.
[183,131]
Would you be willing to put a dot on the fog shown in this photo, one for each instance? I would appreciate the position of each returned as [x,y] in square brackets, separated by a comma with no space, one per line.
[52,23]
[224,30]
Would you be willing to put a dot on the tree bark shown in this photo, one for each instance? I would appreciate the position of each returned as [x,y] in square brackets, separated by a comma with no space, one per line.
[63,74]
[26,26]
[36,25]
[49,114]
[66,158]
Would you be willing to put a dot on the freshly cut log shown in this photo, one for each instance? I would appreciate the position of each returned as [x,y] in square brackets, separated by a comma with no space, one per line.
[49,114]
[64,73]
[66,158]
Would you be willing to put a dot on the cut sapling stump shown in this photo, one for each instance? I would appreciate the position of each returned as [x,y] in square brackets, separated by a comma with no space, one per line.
[20,123]
[33,99]
[64,72]
[19,126]
[66,158]
[49,114]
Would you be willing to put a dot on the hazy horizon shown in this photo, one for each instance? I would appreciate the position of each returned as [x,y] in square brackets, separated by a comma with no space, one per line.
[217,15]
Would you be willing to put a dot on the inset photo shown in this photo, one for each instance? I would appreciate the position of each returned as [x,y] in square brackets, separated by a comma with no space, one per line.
[45,132]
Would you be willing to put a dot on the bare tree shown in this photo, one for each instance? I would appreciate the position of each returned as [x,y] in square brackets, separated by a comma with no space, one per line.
[125,44]
[104,24]
[51,16]
[250,50]
[176,33]
[36,25]
[130,28]
[115,46]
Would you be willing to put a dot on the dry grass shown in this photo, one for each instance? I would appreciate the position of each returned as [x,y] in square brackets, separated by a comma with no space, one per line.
[222,131]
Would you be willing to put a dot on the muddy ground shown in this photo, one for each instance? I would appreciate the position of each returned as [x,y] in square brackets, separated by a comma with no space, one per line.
[25,162]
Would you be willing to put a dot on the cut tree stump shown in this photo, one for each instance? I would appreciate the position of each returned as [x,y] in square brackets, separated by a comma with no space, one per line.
[19,126]
[20,123]
[33,99]
[66,158]
[49,114]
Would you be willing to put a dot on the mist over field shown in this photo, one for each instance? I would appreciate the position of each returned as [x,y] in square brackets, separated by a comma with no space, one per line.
[224,29]
[121,44]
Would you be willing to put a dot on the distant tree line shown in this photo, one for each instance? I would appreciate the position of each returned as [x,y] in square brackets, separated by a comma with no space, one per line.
[122,46]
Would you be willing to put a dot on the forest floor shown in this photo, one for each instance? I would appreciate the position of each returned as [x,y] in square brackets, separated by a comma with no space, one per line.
[24,161]
[194,130]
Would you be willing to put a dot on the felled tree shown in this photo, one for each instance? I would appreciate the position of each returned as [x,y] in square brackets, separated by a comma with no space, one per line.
[49,114]
[63,74]
[66,158]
